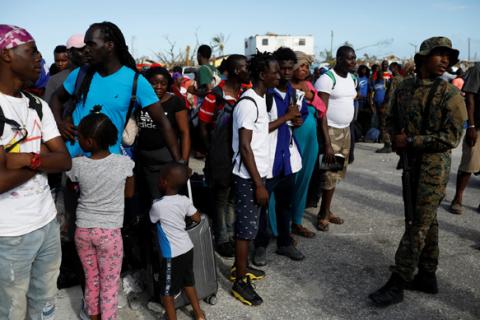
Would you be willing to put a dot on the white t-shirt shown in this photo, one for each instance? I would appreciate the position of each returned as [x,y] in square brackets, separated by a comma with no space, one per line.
[171,211]
[245,116]
[295,157]
[102,190]
[29,206]
[340,104]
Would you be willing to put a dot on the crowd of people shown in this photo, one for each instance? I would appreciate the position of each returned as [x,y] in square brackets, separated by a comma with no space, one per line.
[276,139]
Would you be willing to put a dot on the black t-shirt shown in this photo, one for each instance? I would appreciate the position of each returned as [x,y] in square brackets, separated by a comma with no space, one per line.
[150,137]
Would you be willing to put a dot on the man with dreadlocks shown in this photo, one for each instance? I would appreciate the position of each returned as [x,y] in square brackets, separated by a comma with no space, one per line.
[108,82]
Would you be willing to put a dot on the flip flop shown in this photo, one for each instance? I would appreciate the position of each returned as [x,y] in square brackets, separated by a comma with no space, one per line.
[336,220]
[300,230]
[322,226]
[456,208]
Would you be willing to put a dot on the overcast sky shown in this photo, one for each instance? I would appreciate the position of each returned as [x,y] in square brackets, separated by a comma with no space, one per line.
[384,27]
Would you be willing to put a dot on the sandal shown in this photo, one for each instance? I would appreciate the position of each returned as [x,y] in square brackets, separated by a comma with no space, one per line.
[455,208]
[322,226]
[334,219]
[300,230]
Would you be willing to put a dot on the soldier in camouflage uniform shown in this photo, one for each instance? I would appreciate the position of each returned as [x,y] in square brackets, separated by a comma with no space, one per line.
[385,110]
[425,133]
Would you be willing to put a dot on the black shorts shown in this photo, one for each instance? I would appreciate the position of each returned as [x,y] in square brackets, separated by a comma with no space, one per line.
[247,211]
[176,273]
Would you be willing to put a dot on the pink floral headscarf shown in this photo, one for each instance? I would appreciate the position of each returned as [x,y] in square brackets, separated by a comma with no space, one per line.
[13,36]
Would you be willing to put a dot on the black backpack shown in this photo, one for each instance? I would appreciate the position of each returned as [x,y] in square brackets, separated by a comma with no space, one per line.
[219,164]
[33,103]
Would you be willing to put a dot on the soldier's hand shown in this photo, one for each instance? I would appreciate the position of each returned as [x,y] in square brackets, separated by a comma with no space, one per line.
[400,141]
[471,136]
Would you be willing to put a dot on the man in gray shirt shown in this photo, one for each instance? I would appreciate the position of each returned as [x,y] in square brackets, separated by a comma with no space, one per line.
[75,46]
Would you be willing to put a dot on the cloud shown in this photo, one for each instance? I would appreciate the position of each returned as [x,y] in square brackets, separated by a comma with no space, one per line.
[450,6]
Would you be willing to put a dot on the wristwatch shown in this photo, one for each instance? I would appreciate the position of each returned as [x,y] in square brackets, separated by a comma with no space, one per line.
[181,161]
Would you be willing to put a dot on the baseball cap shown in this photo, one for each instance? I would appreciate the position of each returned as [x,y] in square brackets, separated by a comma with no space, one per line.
[76,41]
[438,42]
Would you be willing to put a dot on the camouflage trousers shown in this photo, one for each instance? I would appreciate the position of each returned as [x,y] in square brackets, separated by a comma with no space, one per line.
[382,124]
[419,244]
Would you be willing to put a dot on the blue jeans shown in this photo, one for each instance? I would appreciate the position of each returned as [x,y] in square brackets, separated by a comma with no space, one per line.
[29,267]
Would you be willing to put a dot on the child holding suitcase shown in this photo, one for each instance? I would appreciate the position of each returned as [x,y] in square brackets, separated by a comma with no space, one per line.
[176,267]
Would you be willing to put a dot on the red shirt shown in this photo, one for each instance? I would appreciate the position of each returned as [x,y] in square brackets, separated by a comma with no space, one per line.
[209,106]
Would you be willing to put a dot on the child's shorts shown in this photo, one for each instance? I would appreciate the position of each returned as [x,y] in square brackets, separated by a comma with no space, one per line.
[176,273]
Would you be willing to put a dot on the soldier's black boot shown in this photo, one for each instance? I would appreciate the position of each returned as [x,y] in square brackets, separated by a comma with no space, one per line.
[390,293]
[424,281]
[387,148]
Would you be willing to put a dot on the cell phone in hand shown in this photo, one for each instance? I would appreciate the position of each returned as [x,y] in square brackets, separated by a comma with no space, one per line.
[337,165]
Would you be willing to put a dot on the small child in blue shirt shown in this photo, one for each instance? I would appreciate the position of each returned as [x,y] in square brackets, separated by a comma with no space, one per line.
[169,213]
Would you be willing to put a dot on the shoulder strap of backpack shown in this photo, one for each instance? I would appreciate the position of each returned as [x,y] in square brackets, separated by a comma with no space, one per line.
[133,98]
[80,76]
[34,103]
[4,120]
[218,93]
[254,102]
[355,79]
[82,72]
[269,101]
[330,74]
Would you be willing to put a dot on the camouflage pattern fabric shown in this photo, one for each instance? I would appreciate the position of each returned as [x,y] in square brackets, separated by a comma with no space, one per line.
[340,141]
[392,85]
[434,135]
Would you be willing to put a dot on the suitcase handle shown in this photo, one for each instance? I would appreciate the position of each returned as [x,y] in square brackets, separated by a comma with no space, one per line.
[189,190]
[192,224]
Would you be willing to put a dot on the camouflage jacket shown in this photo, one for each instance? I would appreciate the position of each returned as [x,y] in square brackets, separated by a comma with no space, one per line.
[442,128]
[392,86]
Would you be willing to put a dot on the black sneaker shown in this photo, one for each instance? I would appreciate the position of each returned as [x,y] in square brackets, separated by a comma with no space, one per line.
[226,250]
[244,291]
[252,273]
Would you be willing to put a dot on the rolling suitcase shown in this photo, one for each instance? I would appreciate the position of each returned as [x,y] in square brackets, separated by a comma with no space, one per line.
[204,265]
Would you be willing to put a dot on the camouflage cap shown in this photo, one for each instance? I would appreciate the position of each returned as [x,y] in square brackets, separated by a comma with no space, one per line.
[438,42]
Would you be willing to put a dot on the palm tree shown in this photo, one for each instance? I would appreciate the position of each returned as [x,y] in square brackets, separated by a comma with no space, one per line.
[218,43]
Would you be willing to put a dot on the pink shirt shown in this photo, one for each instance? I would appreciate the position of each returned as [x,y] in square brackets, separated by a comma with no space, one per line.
[317,102]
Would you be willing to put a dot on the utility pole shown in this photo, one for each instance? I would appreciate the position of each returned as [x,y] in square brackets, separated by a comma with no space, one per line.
[468,49]
[331,43]
[414,46]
